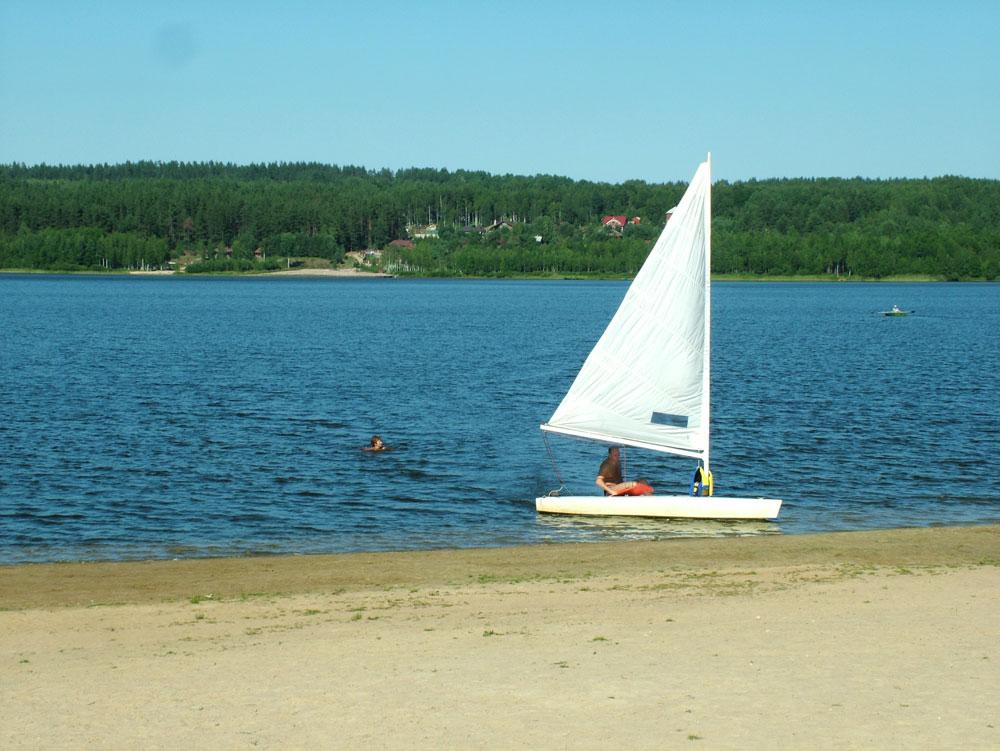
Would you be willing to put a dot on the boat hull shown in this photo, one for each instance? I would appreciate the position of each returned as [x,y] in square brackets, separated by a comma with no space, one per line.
[672,506]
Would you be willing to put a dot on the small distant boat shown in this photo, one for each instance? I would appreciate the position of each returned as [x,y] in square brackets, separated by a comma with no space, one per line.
[896,312]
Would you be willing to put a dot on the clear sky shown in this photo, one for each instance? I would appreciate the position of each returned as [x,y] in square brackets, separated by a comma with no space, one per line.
[591,90]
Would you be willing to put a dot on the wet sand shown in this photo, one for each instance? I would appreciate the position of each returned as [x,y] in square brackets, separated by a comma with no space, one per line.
[882,639]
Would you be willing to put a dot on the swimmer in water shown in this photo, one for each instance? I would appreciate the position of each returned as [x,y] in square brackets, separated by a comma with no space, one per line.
[376,444]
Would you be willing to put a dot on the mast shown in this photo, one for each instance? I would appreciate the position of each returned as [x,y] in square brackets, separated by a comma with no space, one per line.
[706,371]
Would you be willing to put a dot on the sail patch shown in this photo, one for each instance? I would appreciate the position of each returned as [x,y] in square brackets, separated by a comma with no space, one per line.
[673,421]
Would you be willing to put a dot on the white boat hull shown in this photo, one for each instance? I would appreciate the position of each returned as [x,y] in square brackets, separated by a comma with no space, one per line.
[674,506]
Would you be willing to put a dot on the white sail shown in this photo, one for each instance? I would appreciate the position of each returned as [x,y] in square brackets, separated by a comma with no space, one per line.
[646,382]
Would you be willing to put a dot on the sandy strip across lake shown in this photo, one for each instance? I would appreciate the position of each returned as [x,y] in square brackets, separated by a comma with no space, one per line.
[340,273]
[881,639]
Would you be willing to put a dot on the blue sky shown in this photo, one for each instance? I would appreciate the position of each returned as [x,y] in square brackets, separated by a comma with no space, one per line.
[590,90]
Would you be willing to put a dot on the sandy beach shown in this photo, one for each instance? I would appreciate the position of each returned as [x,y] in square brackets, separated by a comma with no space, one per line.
[883,639]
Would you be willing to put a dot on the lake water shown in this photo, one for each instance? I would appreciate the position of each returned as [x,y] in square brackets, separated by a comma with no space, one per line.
[170,417]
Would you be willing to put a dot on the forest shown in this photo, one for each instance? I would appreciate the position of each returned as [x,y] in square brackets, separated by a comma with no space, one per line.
[225,217]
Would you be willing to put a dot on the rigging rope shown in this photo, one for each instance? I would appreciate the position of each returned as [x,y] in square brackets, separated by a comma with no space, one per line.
[555,467]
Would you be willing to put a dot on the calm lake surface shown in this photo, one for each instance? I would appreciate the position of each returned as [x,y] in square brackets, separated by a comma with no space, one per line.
[168,417]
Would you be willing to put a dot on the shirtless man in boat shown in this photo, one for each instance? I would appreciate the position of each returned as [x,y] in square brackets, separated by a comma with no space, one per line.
[609,477]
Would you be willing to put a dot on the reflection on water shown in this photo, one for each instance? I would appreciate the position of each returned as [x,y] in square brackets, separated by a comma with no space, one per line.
[604,528]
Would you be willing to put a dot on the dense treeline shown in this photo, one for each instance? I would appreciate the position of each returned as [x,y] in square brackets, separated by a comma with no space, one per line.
[81,249]
[244,216]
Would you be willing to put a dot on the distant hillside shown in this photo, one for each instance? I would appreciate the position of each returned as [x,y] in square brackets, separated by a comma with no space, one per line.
[145,213]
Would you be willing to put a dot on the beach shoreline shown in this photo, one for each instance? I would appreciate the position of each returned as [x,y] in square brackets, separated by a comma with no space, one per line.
[341,273]
[85,583]
[834,640]
[351,273]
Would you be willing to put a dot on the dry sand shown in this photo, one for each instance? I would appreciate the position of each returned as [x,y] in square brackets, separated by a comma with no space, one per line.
[855,640]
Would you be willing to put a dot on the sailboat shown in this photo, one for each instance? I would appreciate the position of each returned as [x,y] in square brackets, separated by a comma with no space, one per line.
[646,383]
